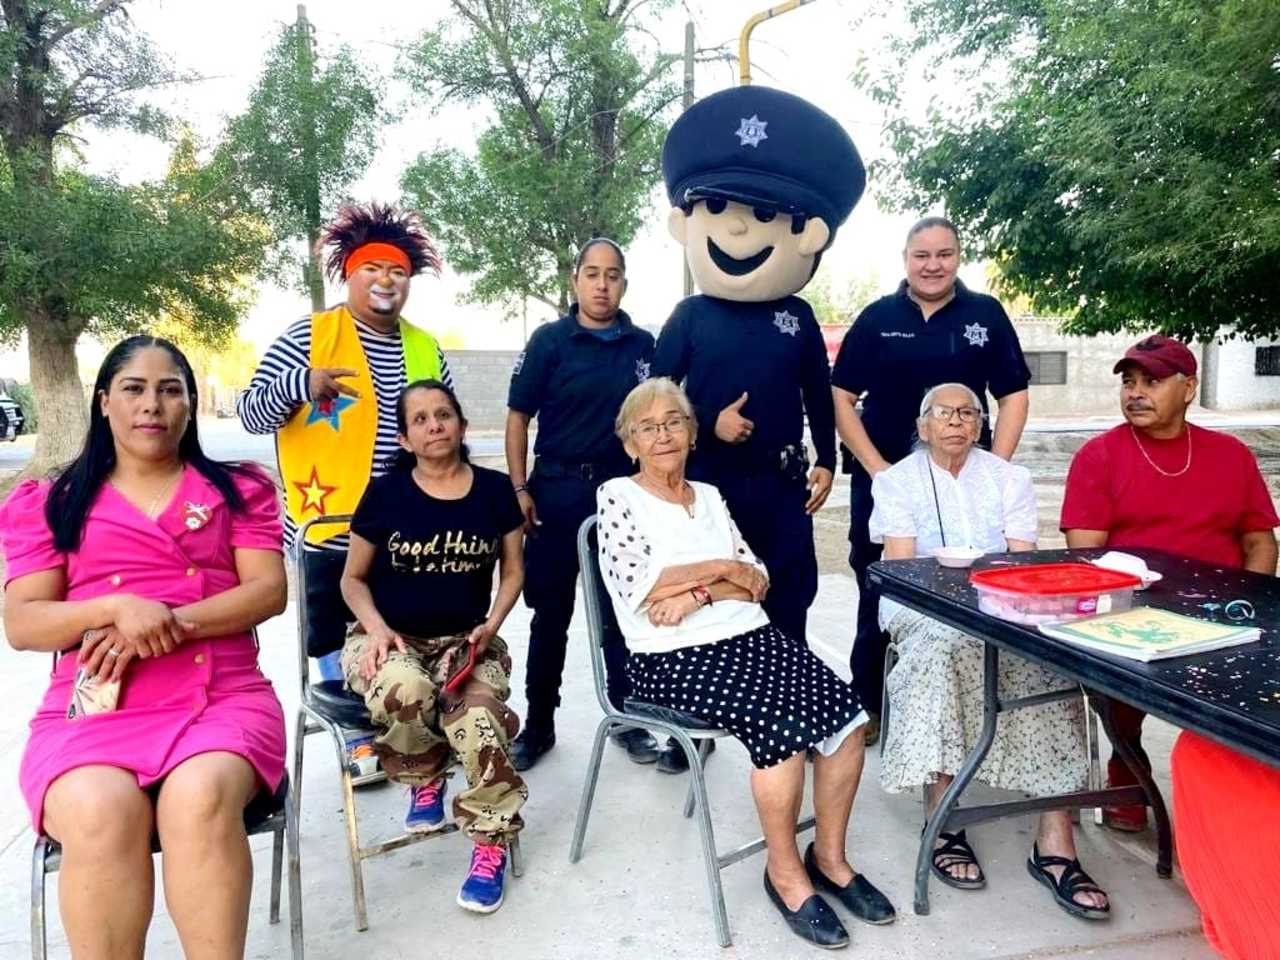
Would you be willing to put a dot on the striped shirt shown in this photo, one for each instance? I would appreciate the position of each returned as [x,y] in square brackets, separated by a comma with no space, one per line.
[280,386]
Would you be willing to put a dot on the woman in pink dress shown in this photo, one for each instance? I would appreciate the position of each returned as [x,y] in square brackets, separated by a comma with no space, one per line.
[162,561]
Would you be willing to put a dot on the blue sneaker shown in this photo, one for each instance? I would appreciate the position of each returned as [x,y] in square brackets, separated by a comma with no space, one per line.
[426,806]
[482,890]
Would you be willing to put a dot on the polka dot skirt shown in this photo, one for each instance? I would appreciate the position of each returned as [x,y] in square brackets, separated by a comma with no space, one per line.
[767,690]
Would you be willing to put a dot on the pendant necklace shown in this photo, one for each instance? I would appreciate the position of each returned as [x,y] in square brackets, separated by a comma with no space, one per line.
[158,502]
[663,494]
[1156,467]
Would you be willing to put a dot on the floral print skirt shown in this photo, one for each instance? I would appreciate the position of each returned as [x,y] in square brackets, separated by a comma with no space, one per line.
[936,705]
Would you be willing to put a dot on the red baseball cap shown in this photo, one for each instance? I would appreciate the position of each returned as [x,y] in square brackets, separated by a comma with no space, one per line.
[1160,356]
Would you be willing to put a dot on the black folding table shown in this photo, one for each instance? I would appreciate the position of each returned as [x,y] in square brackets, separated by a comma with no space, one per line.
[1231,696]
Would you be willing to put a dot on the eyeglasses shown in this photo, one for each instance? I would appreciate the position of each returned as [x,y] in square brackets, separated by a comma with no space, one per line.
[940,411]
[677,423]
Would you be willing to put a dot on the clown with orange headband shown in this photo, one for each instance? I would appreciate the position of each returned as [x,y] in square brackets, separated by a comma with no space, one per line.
[327,388]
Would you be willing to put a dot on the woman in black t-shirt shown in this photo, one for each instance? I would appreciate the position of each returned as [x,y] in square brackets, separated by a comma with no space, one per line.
[426,655]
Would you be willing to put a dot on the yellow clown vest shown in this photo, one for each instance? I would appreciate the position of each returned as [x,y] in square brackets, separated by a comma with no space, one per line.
[326,449]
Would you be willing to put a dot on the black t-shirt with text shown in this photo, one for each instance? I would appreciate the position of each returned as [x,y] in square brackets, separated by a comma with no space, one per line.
[432,572]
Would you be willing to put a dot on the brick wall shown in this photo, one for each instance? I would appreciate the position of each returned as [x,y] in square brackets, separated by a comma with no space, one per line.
[481,378]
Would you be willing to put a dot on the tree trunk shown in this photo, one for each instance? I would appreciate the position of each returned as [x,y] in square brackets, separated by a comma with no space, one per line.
[59,396]
[313,272]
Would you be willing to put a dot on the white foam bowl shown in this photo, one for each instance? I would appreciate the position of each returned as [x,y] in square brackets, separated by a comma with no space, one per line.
[1128,563]
[958,557]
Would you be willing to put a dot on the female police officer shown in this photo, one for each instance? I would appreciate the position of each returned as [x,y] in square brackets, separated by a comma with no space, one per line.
[573,376]
[932,330]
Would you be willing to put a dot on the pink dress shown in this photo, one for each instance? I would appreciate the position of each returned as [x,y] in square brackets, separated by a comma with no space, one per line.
[208,694]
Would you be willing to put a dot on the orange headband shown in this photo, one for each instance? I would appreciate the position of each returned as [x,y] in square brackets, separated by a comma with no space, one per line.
[375,251]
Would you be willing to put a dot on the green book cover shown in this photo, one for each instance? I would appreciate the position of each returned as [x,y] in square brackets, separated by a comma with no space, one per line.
[1148,633]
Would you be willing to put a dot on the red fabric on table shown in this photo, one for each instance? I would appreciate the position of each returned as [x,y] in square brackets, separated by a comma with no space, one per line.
[1201,514]
[1226,810]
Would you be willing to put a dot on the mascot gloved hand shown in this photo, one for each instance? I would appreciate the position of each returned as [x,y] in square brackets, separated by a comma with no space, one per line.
[759,181]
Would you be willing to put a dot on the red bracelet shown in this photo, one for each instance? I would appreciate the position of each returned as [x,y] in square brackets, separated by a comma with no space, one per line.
[702,595]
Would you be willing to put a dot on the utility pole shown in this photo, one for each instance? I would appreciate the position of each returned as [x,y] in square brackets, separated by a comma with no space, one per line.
[688,102]
[313,272]
[744,39]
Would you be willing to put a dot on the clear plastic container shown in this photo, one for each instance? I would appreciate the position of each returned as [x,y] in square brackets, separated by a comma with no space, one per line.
[1052,592]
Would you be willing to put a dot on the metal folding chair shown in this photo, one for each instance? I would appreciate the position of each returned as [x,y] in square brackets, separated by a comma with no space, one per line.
[692,734]
[329,705]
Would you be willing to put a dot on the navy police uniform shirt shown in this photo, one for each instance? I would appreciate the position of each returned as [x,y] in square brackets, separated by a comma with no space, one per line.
[574,381]
[774,352]
[893,354]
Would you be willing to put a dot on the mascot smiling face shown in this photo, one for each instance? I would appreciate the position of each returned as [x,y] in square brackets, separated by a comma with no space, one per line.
[759,180]
[737,252]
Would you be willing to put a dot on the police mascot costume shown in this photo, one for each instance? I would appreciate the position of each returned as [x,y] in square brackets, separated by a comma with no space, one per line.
[759,180]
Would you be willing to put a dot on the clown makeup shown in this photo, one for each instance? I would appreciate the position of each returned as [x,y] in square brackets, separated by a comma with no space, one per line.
[377,291]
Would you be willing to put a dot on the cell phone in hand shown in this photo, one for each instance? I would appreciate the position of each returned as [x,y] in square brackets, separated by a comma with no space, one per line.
[454,683]
[89,695]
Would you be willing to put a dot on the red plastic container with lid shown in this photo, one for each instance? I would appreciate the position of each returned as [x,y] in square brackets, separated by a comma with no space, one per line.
[1052,592]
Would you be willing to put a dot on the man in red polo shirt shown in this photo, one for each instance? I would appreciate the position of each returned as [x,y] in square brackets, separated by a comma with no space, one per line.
[1160,482]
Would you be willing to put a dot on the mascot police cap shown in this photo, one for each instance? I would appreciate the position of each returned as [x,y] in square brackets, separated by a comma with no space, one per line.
[762,147]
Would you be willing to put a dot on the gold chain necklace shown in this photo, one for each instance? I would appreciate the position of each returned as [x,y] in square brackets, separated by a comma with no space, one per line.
[663,494]
[159,501]
[1154,466]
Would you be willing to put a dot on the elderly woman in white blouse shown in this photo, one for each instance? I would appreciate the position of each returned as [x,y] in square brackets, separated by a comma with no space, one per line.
[686,590]
[950,492]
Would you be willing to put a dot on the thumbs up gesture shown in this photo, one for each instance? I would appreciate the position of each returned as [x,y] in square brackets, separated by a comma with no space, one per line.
[731,425]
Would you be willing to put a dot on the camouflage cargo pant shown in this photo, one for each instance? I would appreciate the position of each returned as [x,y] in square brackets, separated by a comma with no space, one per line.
[422,732]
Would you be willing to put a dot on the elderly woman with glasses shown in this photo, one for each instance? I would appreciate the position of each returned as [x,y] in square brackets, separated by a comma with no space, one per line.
[950,493]
[686,590]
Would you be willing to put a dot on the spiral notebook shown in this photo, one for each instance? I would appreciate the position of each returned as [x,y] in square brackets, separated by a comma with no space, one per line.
[1146,634]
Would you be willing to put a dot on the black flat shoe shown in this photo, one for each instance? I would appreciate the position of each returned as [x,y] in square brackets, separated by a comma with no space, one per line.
[673,760]
[527,749]
[639,744]
[815,921]
[860,895]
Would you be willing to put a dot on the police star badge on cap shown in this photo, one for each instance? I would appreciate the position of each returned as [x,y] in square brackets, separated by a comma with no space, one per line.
[763,147]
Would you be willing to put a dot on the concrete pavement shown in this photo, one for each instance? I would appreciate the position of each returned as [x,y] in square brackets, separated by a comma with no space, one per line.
[639,891]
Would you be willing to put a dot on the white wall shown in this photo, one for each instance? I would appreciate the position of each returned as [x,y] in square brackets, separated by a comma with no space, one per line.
[1229,381]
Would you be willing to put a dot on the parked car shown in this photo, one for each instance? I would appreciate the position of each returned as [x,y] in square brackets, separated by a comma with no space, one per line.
[11,419]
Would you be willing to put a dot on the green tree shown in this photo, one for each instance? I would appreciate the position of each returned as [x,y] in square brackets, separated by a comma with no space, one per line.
[835,307]
[573,150]
[1119,161]
[311,128]
[86,254]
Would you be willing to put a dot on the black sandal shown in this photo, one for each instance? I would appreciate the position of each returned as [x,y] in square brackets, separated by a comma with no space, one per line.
[1072,882]
[956,852]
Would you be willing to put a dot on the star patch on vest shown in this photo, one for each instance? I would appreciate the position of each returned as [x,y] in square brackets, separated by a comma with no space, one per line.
[642,371]
[976,334]
[786,322]
[751,131]
[313,493]
[329,411]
